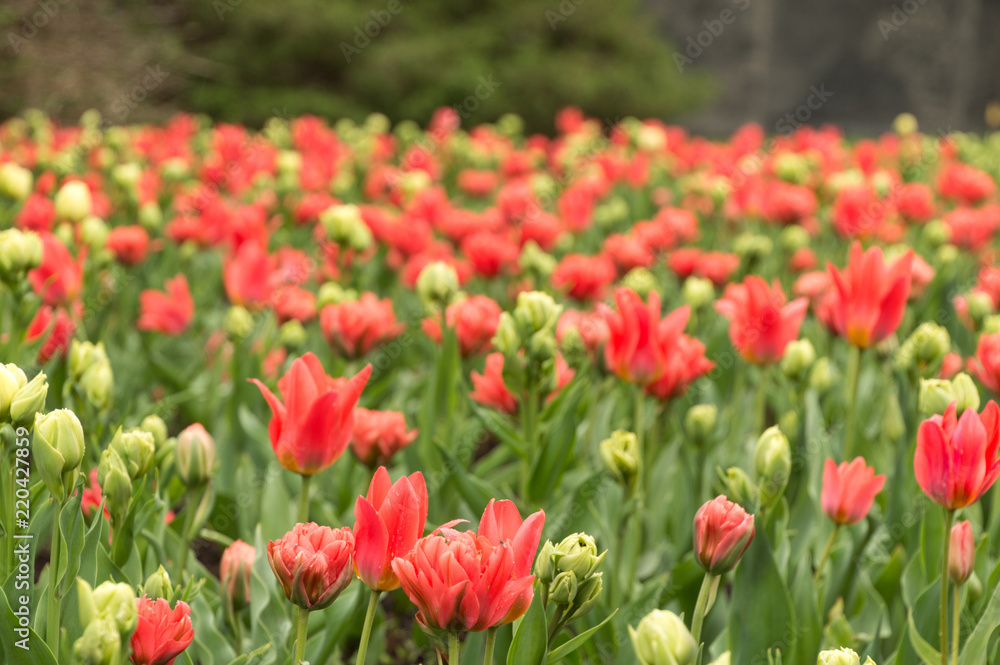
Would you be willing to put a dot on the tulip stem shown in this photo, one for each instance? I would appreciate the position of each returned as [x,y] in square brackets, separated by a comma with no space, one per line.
[304,500]
[491,642]
[949,518]
[301,632]
[956,623]
[640,398]
[366,633]
[760,413]
[853,374]
[529,424]
[701,606]
[826,553]
[453,647]
[52,606]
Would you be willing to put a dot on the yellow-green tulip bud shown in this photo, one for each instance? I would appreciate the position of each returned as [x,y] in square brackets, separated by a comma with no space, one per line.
[838,657]
[905,124]
[966,393]
[946,256]
[793,237]
[292,334]
[641,280]
[437,285]
[588,593]
[126,175]
[740,489]
[155,426]
[158,585]
[58,450]
[893,424]
[751,245]
[935,396]
[507,340]
[238,323]
[925,348]
[773,464]
[93,232]
[562,591]
[345,226]
[194,456]
[822,375]
[724,659]
[791,166]
[73,201]
[620,454]
[331,293]
[117,603]
[698,292]
[98,385]
[29,400]
[136,449]
[9,385]
[663,639]
[100,644]
[799,357]
[15,181]
[20,251]
[535,311]
[116,484]
[534,259]
[699,421]
[150,216]
[577,553]
[544,566]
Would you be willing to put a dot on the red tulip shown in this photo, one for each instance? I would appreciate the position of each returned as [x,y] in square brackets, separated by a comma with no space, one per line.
[294,303]
[490,253]
[59,277]
[592,327]
[379,435]
[312,427]
[490,388]
[849,490]
[460,581]
[869,298]
[313,564]
[247,275]
[474,319]
[722,533]
[956,459]
[986,364]
[638,340]
[129,244]
[962,553]
[234,572]
[161,633]
[355,327]
[583,277]
[388,523]
[760,323]
[502,526]
[59,325]
[685,363]
[169,312]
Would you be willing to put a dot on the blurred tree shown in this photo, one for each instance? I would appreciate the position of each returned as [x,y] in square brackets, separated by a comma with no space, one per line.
[406,58]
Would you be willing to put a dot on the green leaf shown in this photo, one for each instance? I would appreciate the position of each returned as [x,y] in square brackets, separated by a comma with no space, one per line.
[761,616]
[531,639]
[73,536]
[249,658]
[501,427]
[927,653]
[976,645]
[577,641]
[558,438]
[475,491]
[36,653]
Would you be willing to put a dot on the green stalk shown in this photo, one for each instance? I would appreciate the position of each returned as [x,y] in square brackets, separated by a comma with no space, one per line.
[453,648]
[52,623]
[366,634]
[182,555]
[948,520]
[701,607]
[853,374]
[301,633]
[304,500]
[529,423]
[956,627]
[826,553]
[640,444]
[491,642]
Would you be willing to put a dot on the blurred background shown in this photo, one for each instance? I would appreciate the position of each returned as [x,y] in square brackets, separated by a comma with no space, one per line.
[709,65]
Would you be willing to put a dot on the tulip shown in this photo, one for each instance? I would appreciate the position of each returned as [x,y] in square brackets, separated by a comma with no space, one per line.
[389,520]
[722,533]
[248,275]
[568,575]
[313,564]
[502,526]
[962,552]
[356,327]
[20,251]
[490,389]
[986,364]
[129,244]
[168,313]
[437,285]
[773,464]
[849,490]
[869,296]
[73,201]
[799,357]
[234,573]
[956,458]
[842,656]
[378,435]
[761,323]
[162,633]
[474,320]
[619,452]
[194,455]
[59,276]
[583,277]
[663,639]
[158,585]
[58,450]
[313,426]
[699,421]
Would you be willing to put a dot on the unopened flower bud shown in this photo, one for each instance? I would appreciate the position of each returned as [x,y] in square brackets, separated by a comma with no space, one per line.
[793,237]
[29,400]
[935,396]
[799,357]
[739,487]
[158,585]
[238,323]
[620,454]
[641,280]
[100,644]
[116,484]
[893,423]
[8,389]
[980,306]
[98,385]
[905,124]
[724,659]
[536,311]
[578,554]
[15,181]
[292,334]
[345,226]
[110,600]
[73,201]
[155,426]
[194,455]
[936,233]
[588,593]
[20,251]
[773,464]
[58,450]
[962,553]
[534,259]
[507,340]
[562,591]
[93,232]
[663,639]
[331,293]
[752,245]
[722,533]
[841,656]
[234,573]
[925,348]
[698,292]
[150,216]
[437,285]
[544,564]
[966,393]
[821,376]
[699,421]
[136,449]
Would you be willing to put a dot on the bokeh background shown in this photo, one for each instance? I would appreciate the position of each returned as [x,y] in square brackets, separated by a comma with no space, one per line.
[709,65]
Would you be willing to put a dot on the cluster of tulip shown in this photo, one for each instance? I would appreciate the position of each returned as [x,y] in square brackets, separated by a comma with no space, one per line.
[219,346]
